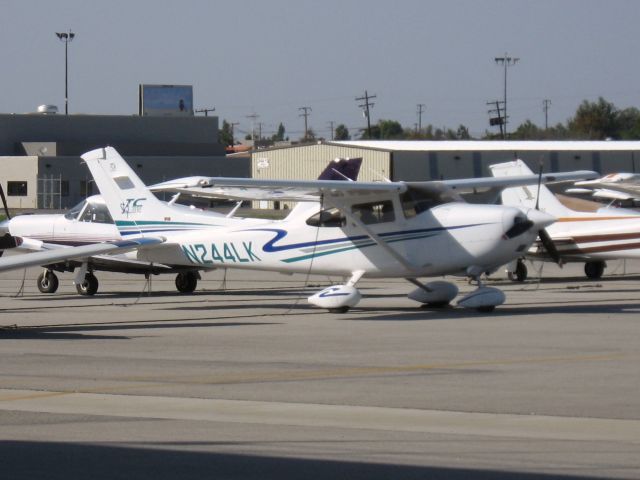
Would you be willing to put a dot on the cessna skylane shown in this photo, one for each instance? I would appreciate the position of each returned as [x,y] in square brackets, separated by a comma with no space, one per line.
[590,237]
[89,222]
[355,229]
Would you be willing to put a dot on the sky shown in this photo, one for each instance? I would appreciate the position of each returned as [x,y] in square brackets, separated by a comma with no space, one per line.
[273,57]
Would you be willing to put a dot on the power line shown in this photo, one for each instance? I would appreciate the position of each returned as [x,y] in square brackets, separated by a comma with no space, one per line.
[545,108]
[366,106]
[305,114]
[253,117]
[421,107]
[507,61]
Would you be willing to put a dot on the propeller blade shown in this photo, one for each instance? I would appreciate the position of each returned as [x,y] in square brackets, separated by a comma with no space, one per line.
[549,246]
[4,202]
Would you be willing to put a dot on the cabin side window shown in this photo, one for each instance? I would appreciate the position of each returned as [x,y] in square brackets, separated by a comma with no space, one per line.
[327,218]
[417,200]
[375,212]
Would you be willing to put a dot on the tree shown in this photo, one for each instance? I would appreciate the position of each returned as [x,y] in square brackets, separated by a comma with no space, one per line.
[463,133]
[629,123]
[341,133]
[390,129]
[279,135]
[311,136]
[595,120]
[224,136]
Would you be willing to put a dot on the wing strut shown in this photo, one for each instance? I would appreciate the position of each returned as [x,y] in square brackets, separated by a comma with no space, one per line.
[376,238]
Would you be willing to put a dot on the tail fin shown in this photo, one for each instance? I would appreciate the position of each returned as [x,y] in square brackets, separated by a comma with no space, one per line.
[342,169]
[526,196]
[133,207]
[346,169]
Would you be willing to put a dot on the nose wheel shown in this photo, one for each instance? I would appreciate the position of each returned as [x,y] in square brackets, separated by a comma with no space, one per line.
[520,274]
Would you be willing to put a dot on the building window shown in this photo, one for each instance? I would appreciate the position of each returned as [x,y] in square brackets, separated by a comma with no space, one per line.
[64,188]
[86,188]
[17,189]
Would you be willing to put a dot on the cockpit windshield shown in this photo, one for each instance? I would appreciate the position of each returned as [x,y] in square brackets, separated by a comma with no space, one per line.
[75,211]
[96,213]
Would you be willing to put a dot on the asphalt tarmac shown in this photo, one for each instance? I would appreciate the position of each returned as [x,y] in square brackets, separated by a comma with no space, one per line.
[245,380]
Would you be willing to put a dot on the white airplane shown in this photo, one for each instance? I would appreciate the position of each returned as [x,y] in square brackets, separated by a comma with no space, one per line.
[623,189]
[355,229]
[89,222]
[590,237]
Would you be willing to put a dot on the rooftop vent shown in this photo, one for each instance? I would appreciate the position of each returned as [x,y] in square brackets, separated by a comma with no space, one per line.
[47,109]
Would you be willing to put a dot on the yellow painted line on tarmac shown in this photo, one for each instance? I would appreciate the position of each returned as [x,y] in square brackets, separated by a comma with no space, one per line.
[275,376]
[149,382]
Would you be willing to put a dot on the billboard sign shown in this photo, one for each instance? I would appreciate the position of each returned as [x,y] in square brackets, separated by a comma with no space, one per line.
[166,100]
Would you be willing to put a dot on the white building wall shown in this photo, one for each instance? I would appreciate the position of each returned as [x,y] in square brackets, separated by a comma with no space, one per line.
[20,169]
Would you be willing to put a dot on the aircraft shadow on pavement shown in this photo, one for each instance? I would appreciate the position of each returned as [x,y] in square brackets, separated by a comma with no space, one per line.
[451,313]
[71,332]
[58,460]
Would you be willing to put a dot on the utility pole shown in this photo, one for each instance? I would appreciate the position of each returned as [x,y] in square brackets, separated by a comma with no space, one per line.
[206,111]
[506,61]
[331,122]
[545,108]
[305,113]
[253,117]
[365,106]
[499,120]
[233,124]
[66,38]
[421,107]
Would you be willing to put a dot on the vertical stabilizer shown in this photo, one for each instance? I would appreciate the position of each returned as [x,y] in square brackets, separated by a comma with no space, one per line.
[346,169]
[526,196]
[130,202]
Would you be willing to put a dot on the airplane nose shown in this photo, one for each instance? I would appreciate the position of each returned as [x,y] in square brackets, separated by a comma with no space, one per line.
[540,219]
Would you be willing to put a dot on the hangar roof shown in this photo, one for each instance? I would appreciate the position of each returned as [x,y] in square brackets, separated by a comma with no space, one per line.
[492,145]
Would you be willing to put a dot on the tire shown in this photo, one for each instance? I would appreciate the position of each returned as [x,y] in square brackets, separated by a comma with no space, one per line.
[521,272]
[594,270]
[47,282]
[486,309]
[339,310]
[89,286]
[186,282]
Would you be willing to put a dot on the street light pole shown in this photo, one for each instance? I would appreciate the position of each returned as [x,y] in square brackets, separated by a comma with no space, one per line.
[507,61]
[66,38]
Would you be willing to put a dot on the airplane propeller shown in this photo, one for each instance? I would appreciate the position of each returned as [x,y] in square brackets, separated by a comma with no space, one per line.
[545,238]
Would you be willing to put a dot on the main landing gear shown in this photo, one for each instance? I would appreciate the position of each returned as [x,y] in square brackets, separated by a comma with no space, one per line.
[89,286]
[47,281]
[594,270]
[186,282]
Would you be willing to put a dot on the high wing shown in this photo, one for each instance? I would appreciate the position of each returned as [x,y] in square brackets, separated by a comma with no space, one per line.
[627,183]
[313,190]
[295,190]
[70,253]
